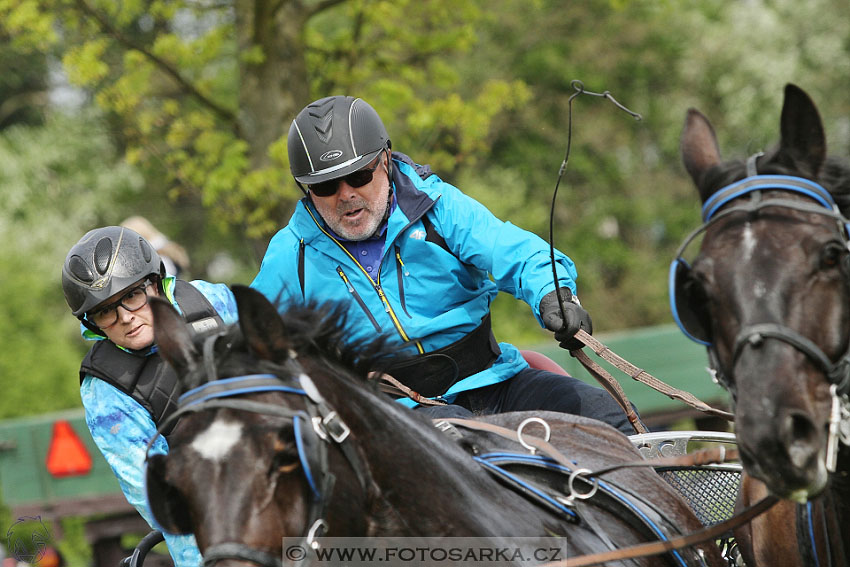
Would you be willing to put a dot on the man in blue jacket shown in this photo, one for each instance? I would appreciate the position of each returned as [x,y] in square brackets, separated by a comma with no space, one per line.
[414,257]
[126,388]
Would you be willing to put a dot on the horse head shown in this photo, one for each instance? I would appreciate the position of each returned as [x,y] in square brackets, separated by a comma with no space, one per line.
[246,465]
[769,292]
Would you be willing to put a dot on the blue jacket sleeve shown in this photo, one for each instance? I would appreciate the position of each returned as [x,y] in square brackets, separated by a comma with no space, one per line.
[518,260]
[221,298]
[121,429]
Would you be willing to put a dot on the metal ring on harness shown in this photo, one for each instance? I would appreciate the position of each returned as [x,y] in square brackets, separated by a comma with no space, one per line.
[310,540]
[546,435]
[577,495]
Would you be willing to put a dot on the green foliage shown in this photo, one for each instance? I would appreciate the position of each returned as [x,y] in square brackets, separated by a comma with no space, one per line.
[56,182]
[197,99]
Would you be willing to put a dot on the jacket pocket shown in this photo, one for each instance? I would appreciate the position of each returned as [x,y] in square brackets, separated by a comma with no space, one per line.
[357,297]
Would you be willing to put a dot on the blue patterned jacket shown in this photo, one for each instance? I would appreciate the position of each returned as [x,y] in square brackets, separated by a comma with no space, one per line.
[121,427]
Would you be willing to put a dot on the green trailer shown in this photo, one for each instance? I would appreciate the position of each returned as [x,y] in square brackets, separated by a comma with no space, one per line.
[30,490]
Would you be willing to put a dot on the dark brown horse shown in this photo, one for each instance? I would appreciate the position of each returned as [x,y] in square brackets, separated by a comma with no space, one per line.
[769,295]
[282,435]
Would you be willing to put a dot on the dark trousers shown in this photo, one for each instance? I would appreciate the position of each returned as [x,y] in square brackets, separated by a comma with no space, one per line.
[534,389]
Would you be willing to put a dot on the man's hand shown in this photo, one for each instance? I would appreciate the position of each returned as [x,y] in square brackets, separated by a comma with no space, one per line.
[577,318]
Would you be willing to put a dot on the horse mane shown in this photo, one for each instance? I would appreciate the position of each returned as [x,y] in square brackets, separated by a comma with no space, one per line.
[313,331]
[835,176]
[324,330]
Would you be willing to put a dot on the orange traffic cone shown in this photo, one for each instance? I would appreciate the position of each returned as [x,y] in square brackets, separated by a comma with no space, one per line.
[67,455]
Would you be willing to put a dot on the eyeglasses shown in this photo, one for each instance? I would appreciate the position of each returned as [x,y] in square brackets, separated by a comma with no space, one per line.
[357,178]
[133,300]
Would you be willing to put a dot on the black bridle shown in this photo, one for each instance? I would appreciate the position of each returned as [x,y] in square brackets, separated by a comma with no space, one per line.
[837,373]
[314,429]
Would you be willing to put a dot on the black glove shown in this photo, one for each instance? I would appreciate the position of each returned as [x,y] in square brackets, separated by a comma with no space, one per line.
[577,318]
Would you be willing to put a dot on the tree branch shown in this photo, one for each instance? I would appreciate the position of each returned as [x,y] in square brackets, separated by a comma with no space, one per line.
[224,113]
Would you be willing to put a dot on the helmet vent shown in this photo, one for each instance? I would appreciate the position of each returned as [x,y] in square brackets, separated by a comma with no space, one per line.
[102,255]
[146,250]
[323,121]
[78,267]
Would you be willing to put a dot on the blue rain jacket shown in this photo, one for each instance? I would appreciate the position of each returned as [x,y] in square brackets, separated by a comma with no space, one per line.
[424,295]
[121,427]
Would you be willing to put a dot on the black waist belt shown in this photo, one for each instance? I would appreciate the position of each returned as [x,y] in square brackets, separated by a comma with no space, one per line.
[432,373]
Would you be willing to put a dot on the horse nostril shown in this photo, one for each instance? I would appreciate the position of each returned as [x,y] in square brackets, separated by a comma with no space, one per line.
[801,438]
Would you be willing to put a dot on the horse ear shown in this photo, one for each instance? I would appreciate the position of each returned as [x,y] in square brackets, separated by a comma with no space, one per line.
[261,324]
[698,145]
[165,502]
[173,337]
[803,140]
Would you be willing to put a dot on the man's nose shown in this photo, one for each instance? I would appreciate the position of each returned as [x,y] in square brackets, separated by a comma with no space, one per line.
[346,191]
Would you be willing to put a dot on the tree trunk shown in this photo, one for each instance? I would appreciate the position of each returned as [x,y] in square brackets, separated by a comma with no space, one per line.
[273,90]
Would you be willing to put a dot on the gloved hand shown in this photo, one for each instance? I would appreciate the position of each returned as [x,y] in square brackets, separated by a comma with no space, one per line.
[577,318]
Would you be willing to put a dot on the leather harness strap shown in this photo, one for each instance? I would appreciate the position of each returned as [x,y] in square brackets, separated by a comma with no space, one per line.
[697,458]
[659,547]
[641,376]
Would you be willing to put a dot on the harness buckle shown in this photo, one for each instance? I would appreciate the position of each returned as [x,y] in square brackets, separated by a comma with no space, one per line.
[839,428]
[331,425]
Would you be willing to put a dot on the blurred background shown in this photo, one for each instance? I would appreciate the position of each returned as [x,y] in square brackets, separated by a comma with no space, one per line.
[177,112]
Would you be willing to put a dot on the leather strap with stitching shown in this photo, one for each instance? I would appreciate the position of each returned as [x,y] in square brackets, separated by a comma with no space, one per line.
[640,375]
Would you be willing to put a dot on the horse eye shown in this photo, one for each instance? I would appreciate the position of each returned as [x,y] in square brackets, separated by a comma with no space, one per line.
[832,255]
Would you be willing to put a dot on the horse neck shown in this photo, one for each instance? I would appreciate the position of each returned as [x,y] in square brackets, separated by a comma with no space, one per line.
[411,465]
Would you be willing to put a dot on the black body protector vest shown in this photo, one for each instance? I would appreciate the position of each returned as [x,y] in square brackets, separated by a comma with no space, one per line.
[147,378]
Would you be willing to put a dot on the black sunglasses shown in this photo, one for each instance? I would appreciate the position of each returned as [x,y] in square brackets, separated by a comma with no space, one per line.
[357,178]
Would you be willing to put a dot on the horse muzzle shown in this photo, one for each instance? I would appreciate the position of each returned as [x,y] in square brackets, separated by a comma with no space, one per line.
[781,432]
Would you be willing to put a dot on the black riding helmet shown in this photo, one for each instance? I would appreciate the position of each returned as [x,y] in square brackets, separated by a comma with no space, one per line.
[333,137]
[104,262]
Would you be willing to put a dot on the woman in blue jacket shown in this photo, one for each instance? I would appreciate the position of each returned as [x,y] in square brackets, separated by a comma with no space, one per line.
[126,388]
[419,261]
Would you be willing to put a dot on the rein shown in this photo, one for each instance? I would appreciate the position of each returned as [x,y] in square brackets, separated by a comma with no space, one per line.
[638,374]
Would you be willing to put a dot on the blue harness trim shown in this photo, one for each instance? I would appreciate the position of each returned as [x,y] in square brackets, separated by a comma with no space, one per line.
[485,461]
[767,182]
[740,188]
[305,461]
[252,383]
[492,461]
[812,534]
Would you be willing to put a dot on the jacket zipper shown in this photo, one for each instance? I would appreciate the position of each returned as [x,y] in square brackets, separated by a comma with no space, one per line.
[375,284]
[357,297]
[401,271]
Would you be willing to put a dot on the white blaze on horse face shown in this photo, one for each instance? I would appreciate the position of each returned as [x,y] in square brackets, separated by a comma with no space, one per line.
[218,439]
[748,247]
[748,243]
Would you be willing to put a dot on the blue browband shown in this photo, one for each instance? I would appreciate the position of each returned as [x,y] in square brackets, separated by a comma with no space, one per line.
[767,182]
[252,383]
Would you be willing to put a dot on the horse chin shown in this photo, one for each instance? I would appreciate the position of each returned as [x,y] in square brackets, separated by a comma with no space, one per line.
[799,485]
